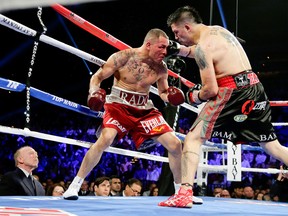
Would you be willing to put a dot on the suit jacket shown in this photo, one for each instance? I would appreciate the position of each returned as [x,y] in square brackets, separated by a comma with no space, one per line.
[15,183]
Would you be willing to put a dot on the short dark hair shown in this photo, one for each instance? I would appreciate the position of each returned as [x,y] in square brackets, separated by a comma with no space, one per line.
[182,14]
[100,180]
[132,181]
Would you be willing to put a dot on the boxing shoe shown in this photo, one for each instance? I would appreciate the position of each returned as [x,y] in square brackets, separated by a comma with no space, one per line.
[183,199]
[197,200]
[72,192]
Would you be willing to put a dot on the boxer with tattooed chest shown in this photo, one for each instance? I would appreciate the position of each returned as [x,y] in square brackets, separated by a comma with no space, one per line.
[128,108]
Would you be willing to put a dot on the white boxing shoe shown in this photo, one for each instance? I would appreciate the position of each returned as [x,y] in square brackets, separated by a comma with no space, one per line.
[71,193]
[197,200]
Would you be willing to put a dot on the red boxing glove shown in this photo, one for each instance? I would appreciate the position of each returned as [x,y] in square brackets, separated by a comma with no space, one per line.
[96,99]
[175,96]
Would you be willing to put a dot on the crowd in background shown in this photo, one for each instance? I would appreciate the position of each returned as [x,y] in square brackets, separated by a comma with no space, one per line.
[59,162]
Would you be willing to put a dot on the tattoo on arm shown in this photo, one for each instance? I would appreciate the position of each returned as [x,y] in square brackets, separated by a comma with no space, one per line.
[200,58]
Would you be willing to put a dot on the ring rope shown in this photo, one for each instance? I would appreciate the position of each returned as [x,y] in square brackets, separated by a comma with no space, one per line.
[11,85]
[84,24]
[26,132]
[108,38]
[46,39]
[49,98]
[56,100]
[206,168]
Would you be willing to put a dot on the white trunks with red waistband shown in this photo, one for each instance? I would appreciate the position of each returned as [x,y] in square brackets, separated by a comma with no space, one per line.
[135,99]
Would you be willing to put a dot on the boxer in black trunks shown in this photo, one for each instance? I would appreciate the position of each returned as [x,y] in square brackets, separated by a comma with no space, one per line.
[236,109]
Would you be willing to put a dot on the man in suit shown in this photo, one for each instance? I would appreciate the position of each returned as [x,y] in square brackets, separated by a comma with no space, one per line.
[133,188]
[20,182]
[84,190]
[115,183]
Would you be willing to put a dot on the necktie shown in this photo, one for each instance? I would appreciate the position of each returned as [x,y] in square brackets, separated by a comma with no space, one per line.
[31,178]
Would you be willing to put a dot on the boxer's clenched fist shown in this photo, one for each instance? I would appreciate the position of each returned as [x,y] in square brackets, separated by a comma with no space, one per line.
[175,96]
[96,99]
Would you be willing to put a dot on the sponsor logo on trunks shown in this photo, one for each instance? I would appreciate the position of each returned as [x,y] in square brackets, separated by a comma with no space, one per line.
[247,107]
[155,124]
[241,80]
[134,99]
[115,122]
[240,118]
[253,78]
[265,138]
[222,134]
[260,105]
[246,79]
[250,105]
[158,129]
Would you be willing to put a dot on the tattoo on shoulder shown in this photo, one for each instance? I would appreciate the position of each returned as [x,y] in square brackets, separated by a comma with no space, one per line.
[229,38]
[214,30]
[120,58]
[200,58]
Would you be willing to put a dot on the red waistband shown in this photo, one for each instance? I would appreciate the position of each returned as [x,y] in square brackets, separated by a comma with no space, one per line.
[238,81]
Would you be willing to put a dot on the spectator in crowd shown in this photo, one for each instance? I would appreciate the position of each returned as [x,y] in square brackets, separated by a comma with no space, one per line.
[217,191]
[150,188]
[56,189]
[152,173]
[20,182]
[237,190]
[101,186]
[259,196]
[84,189]
[248,192]
[266,197]
[126,167]
[140,173]
[133,188]
[154,191]
[225,193]
[91,187]
[116,186]
[280,186]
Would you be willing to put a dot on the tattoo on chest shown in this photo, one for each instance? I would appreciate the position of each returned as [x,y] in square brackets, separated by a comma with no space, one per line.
[138,69]
[200,58]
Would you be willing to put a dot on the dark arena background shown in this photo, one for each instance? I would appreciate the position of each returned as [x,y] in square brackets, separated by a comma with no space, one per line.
[261,25]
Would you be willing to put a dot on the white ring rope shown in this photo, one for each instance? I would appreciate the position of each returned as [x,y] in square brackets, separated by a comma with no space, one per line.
[206,168]
[46,39]
[26,132]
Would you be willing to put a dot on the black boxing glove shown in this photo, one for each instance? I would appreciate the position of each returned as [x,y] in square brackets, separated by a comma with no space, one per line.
[96,99]
[175,96]
[192,95]
[173,48]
